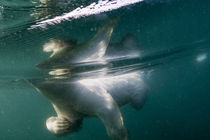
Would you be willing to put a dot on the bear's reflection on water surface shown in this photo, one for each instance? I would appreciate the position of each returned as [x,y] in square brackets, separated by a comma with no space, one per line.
[99,94]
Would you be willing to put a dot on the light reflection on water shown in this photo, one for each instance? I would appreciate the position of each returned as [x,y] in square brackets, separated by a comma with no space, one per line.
[172,61]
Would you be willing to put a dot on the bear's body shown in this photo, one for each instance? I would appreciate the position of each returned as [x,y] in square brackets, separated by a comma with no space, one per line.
[97,95]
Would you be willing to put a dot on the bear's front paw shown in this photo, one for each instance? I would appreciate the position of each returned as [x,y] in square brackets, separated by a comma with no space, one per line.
[58,126]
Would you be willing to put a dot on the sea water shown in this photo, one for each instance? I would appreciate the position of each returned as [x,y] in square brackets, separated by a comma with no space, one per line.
[175,50]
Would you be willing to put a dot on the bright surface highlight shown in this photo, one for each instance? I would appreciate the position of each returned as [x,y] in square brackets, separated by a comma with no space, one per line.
[92,9]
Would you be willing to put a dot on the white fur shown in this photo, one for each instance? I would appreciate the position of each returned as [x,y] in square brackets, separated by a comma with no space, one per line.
[97,95]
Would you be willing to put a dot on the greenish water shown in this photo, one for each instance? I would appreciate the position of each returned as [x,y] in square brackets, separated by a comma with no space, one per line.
[175,49]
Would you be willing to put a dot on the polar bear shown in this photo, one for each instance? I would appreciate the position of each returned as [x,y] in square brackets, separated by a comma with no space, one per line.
[98,49]
[99,94]
[101,97]
[67,52]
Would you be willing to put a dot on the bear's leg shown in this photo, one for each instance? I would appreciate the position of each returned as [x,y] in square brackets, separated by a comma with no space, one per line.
[113,121]
[138,98]
[98,102]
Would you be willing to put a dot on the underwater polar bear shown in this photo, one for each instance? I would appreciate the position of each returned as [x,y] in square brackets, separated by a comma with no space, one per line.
[99,95]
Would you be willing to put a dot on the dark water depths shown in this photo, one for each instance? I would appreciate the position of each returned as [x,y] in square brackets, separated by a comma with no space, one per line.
[174,61]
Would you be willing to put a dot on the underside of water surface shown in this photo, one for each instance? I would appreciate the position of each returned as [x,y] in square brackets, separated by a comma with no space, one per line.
[119,50]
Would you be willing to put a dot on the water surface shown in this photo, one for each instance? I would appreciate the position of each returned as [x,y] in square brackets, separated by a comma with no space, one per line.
[175,48]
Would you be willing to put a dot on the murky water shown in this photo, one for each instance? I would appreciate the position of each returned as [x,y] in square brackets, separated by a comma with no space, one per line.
[152,47]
